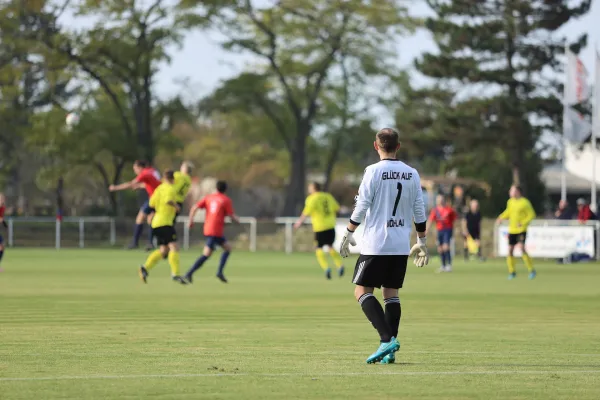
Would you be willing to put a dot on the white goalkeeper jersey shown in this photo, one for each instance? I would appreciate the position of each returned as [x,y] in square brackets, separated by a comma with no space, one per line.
[389,200]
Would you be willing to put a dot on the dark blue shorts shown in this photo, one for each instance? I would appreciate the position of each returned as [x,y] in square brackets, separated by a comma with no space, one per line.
[444,236]
[1,240]
[146,209]
[214,241]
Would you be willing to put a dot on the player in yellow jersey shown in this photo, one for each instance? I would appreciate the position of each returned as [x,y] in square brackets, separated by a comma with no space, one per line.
[322,209]
[164,203]
[519,213]
[182,185]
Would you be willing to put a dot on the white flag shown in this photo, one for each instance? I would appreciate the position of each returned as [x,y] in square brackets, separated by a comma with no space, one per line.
[596,109]
[577,89]
[577,127]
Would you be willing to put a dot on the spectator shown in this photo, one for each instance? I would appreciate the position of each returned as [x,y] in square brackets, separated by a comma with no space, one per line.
[563,211]
[584,212]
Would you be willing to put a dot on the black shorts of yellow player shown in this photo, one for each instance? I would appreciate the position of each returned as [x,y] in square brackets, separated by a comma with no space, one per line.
[164,235]
[324,238]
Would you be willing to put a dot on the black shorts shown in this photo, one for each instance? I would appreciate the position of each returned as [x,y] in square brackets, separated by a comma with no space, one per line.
[475,234]
[378,271]
[325,238]
[514,238]
[164,235]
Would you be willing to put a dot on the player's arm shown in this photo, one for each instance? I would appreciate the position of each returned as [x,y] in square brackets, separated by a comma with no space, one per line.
[364,199]
[171,200]
[230,212]
[420,217]
[194,210]
[432,218]
[133,184]
[419,250]
[308,207]
[505,214]
[363,202]
[530,215]
[334,205]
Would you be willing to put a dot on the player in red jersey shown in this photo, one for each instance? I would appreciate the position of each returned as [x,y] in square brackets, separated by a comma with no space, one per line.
[444,216]
[2,211]
[217,206]
[146,178]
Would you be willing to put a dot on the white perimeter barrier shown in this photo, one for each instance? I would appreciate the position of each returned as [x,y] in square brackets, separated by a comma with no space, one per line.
[340,230]
[552,239]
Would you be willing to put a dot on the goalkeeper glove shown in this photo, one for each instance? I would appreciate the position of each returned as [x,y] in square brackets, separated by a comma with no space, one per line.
[419,250]
[347,241]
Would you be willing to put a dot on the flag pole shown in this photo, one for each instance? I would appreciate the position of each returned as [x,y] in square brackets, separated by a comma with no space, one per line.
[595,125]
[563,172]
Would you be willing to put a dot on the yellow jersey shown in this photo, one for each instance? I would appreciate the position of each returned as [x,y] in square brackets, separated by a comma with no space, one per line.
[322,208]
[182,186]
[519,213]
[164,213]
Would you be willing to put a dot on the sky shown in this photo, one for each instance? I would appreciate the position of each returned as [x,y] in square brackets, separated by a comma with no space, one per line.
[200,64]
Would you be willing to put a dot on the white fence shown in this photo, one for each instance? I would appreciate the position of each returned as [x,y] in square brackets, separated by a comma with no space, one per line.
[108,224]
[545,238]
[553,239]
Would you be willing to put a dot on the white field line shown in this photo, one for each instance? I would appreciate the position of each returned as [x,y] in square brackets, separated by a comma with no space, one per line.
[293,375]
[298,352]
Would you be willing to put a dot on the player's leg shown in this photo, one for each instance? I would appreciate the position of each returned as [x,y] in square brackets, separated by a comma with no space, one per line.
[320,254]
[173,249]
[466,246]
[447,240]
[394,279]
[1,250]
[367,276]
[140,220]
[510,259]
[526,258]
[440,249]
[154,257]
[337,258]
[209,247]
[149,215]
[226,246]
[476,235]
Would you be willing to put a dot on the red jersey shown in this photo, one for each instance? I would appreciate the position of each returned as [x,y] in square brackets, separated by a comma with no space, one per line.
[150,178]
[218,206]
[2,210]
[444,217]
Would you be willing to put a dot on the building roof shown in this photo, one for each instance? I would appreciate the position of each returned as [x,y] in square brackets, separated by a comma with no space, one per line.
[551,177]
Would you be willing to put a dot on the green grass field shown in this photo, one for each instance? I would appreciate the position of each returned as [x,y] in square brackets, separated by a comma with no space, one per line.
[80,325]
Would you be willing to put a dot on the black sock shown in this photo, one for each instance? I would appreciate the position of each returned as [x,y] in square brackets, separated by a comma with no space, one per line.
[466,253]
[375,315]
[393,311]
[479,252]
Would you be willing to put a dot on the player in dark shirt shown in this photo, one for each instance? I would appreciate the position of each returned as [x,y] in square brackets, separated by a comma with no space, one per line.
[472,229]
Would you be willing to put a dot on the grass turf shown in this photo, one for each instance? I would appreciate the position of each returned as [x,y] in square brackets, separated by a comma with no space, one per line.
[79,324]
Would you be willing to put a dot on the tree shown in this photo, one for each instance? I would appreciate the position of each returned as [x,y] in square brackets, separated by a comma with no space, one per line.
[298,46]
[122,52]
[31,80]
[494,77]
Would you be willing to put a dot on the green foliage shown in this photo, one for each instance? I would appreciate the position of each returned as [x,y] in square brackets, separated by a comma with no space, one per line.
[493,99]
[300,45]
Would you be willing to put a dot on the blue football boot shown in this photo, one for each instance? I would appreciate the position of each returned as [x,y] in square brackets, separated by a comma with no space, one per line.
[512,276]
[532,274]
[389,359]
[383,350]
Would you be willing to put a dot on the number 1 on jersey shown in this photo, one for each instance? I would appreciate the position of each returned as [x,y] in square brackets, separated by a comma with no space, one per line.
[397,199]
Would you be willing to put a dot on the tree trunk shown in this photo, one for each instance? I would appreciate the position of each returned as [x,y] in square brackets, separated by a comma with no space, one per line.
[296,188]
[334,154]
